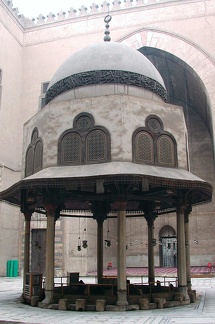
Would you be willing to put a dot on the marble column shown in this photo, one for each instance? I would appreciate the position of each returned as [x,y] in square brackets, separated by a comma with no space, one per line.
[187,245]
[99,251]
[121,255]
[26,267]
[50,239]
[151,269]
[181,253]
[27,242]
[99,210]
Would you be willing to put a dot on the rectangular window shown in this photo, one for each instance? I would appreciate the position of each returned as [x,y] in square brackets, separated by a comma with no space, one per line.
[42,102]
[44,87]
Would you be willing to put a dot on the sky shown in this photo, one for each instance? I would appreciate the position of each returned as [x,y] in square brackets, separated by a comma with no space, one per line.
[32,8]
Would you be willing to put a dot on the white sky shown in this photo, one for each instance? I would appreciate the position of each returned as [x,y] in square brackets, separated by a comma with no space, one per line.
[32,8]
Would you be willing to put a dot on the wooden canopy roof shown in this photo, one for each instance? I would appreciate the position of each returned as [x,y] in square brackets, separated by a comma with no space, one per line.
[79,188]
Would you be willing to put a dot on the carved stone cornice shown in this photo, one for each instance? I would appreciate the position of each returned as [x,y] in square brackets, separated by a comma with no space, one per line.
[74,13]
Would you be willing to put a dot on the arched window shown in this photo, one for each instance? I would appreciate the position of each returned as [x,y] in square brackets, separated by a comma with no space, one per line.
[34,136]
[166,151]
[144,148]
[71,148]
[152,145]
[85,143]
[38,156]
[96,146]
[34,154]
[29,161]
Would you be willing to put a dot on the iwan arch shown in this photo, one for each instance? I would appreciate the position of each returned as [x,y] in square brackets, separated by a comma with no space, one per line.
[39,41]
[190,53]
[202,66]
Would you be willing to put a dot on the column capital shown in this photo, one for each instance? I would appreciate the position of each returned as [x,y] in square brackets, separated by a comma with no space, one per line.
[180,208]
[100,222]
[150,219]
[187,212]
[120,205]
[51,208]
[100,210]
[28,216]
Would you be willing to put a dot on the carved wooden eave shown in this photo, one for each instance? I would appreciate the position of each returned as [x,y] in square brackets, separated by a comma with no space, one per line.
[79,187]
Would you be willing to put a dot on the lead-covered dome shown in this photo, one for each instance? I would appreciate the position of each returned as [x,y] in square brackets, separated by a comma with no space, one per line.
[106,63]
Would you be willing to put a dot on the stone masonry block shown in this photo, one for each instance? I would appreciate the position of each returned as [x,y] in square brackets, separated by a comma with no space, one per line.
[179,297]
[63,304]
[160,302]
[144,303]
[35,300]
[80,304]
[152,305]
[192,295]
[100,305]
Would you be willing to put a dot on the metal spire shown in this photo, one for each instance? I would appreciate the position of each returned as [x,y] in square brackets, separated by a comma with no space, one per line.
[107,32]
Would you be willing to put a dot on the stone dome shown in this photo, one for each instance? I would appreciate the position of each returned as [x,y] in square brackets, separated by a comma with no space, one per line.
[106,62]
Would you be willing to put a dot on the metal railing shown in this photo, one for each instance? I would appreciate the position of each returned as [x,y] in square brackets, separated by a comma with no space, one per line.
[89,283]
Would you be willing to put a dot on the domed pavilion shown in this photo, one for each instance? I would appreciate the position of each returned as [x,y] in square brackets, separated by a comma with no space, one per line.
[108,142]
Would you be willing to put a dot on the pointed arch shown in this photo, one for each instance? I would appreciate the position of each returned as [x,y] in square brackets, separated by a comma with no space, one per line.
[202,63]
[29,161]
[34,154]
[38,156]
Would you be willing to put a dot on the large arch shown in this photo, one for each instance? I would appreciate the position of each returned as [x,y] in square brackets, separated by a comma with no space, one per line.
[186,50]
[201,123]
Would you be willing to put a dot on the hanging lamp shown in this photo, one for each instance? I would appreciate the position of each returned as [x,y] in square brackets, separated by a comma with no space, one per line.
[84,242]
[79,239]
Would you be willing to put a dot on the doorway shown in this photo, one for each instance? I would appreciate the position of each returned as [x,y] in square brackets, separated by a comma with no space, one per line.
[168,247]
[169,252]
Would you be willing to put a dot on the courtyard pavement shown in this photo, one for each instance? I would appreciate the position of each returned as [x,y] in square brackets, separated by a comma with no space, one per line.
[202,311]
[143,271]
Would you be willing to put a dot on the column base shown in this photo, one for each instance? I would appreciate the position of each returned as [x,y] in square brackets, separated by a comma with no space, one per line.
[189,285]
[49,297]
[22,299]
[184,291]
[122,298]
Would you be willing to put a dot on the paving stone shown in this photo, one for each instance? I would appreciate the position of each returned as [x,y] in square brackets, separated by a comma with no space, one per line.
[201,311]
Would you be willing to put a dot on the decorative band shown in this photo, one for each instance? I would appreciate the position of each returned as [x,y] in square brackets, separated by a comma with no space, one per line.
[105,77]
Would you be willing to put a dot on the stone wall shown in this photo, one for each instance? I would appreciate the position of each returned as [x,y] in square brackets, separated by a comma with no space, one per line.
[32,50]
